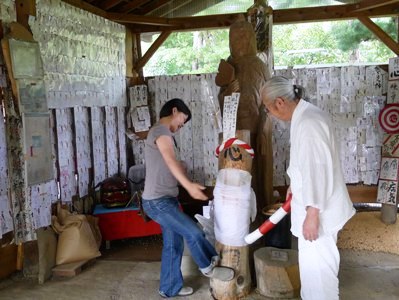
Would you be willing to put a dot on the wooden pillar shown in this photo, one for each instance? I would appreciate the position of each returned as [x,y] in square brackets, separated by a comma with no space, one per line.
[231,256]
[389,212]
[130,54]
[25,8]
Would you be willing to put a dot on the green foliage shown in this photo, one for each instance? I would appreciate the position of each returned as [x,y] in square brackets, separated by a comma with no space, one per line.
[305,45]
[298,44]
[189,53]
[351,33]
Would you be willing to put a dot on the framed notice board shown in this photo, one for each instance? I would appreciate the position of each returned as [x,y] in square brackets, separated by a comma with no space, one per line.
[25,59]
[38,154]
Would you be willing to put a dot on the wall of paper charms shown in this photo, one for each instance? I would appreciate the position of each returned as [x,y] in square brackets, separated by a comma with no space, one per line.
[8,12]
[6,223]
[353,96]
[83,56]
[84,70]
[138,119]
[198,139]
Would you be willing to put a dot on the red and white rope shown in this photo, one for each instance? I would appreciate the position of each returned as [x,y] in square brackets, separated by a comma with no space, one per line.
[271,222]
[234,141]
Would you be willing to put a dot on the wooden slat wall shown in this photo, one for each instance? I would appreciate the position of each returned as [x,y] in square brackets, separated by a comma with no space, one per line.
[107,152]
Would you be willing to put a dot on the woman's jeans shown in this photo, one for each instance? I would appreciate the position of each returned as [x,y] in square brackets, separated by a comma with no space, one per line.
[177,226]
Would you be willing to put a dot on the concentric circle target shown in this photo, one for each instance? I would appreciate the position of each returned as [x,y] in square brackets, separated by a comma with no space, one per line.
[389,118]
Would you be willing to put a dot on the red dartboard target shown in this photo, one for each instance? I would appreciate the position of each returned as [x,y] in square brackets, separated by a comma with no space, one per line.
[389,118]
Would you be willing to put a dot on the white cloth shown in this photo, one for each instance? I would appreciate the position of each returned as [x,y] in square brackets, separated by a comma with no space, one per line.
[315,171]
[234,206]
[318,268]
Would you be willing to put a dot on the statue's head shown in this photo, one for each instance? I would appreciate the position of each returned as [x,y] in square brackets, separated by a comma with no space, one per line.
[242,39]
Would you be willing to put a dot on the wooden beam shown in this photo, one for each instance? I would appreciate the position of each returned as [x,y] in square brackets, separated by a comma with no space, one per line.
[129,57]
[381,34]
[136,19]
[87,7]
[25,8]
[281,16]
[145,28]
[186,22]
[150,52]
[176,5]
[132,5]
[139,56]
[368,4]
[174,24]
[153,6]
[188,8]
[108,4]
[330,13]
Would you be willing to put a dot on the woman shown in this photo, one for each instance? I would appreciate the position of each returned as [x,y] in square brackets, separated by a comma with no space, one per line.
[163,173]
[320,203]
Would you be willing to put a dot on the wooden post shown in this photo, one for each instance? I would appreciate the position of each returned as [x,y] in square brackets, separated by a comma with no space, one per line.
[389,213]
[25,8]
[234,257]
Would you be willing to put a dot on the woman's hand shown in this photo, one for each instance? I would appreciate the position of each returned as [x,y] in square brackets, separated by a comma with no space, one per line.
[311,224]
[196,191]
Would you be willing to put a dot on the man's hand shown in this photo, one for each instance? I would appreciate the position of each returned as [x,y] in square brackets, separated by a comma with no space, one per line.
[311,224]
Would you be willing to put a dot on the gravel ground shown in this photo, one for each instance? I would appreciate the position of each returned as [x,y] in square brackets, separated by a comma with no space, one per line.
[366,231]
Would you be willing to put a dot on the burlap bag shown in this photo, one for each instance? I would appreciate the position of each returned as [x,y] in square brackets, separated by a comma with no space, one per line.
[76,241]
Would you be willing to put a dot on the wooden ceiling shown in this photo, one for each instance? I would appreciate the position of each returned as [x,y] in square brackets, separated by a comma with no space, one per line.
[152,15]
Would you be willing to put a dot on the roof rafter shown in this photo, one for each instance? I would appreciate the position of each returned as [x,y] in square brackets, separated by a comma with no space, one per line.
[137,19]
[88,7]
[108,4]
[330,13]
[150,52]
[381,34]
[132,5]
[368,4]
[151,7]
